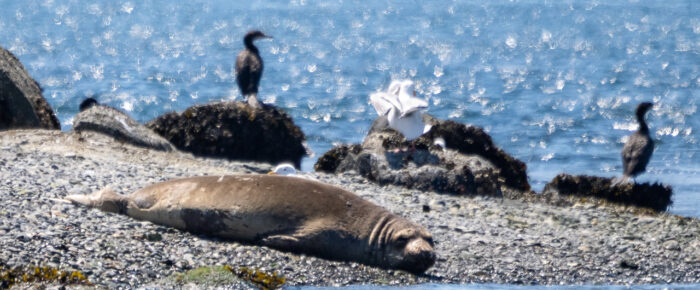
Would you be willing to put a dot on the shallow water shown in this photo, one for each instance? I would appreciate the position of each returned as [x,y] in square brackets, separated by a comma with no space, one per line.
[555,83]
[499,286]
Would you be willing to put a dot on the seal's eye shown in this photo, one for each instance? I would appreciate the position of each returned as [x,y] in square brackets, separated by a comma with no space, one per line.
[401,241]
[430,241]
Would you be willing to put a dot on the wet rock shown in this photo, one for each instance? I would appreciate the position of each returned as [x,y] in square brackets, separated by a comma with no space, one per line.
[234,130]
[471,163]
[653,196]
[117,124]
[21,102]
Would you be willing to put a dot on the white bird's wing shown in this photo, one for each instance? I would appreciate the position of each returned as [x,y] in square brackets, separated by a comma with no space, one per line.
[409,103]
[413,104]
[383,102]
[394,87]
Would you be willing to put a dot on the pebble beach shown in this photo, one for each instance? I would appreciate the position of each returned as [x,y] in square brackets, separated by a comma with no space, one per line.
[478,239]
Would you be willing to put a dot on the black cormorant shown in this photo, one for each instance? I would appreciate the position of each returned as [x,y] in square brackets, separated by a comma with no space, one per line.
[249,67]
[639,147]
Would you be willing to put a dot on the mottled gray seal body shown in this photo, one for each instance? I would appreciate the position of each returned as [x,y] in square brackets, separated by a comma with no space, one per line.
[286,213]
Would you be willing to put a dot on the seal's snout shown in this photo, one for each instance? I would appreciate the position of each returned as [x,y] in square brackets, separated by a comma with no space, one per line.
[419,256]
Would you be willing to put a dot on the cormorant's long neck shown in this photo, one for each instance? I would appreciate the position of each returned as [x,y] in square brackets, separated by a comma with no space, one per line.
[643,128]
[249,45]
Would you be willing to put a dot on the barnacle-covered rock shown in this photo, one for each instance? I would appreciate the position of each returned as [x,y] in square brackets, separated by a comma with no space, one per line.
[476,167]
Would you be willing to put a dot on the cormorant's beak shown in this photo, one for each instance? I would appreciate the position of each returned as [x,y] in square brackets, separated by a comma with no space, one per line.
[271,173]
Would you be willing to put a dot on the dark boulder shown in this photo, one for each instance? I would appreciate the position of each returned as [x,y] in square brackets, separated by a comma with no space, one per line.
[386,157]
[234,130]
[654,196]
[21,102]
[330,161]
[117,124]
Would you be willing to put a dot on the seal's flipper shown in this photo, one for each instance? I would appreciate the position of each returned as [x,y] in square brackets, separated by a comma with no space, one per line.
[282,242]
[60,200]
[106,200]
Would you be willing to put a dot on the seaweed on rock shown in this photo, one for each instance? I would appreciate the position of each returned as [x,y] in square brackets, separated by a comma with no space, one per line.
[259,278]
[653,196]
[234,130]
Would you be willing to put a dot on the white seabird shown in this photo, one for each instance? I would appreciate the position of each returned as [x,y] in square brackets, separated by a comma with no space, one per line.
[403,110]
[284,169]
[287,169]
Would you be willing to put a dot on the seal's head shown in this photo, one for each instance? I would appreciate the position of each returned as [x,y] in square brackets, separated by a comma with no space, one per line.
[410,249]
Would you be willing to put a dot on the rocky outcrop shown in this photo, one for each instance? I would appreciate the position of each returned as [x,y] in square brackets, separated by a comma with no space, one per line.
[477,167]
[21,102]
[468,139]
[117,124]
[654,196]
[235,131]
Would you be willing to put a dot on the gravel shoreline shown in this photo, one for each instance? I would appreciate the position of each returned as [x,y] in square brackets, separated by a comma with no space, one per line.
[478,239]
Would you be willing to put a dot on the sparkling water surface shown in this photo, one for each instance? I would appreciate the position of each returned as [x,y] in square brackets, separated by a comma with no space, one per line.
[555,83]
[517,287]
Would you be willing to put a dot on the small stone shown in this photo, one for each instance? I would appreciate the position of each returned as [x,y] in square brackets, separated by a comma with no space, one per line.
[627,264]
[154,237]
[672,245]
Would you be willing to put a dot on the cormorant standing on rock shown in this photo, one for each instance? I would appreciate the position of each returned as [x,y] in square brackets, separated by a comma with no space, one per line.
[249,68]
[639,147]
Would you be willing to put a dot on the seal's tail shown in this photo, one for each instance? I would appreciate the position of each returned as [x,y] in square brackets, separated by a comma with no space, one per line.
[106,200]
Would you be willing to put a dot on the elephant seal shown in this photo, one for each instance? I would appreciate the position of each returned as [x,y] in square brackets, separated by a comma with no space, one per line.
[286,213]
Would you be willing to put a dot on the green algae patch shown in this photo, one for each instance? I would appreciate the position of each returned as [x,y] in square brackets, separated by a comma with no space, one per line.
[242,277]
[17,275]
[208,275]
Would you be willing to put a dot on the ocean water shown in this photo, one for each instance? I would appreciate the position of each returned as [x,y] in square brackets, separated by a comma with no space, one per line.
[555,83]
[517,287]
